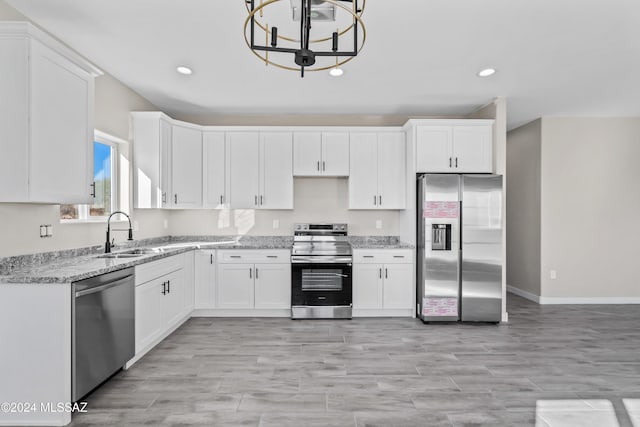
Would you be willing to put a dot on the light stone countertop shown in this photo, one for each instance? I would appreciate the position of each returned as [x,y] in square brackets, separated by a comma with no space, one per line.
[73,265]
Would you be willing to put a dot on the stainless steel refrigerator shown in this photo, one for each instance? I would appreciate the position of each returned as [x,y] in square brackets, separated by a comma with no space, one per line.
[459,248]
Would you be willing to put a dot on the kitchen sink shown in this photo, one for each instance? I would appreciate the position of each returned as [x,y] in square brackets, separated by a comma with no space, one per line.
[131,253]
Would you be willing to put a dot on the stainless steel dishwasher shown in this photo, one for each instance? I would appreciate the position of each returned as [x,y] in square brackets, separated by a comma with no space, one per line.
[103,328]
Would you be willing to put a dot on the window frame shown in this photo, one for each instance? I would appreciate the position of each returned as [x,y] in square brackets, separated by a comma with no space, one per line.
[83,209]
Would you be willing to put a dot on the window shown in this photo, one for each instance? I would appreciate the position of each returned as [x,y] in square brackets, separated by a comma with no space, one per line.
[105,155]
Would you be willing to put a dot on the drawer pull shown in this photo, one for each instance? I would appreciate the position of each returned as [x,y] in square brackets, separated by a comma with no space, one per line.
[398,256]
[235,256]
[367,256]
[272,256]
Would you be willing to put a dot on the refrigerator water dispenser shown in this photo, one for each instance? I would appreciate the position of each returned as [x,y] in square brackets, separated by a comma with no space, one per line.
[441,237]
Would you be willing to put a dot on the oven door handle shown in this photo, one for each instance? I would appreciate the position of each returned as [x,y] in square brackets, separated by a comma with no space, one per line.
[320,259]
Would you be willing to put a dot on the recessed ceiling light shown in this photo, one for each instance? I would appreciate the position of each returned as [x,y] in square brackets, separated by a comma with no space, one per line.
[486,72]
[184,70]
[336,72]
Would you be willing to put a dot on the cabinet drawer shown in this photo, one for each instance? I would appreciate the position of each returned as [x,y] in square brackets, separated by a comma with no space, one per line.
[276,256]
[151,270]
[383,256]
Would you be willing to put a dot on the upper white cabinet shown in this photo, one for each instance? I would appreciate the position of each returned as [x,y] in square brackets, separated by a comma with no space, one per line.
[321,154]
[46,132]
[377,177]
[454,146]
[260,175]
[214,168]
[186,167]
[152,133]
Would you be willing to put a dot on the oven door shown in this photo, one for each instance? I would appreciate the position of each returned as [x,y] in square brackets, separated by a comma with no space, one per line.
[321,281]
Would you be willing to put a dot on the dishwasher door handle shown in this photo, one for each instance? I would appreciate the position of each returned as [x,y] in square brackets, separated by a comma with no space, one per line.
[102,288]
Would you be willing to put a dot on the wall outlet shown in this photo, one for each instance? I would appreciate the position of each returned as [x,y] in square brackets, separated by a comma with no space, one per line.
[166,224]
[43,231]
[553,274]
[379,224]
[276,223]
[49,230]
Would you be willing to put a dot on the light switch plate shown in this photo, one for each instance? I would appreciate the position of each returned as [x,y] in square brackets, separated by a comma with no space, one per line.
[553,274]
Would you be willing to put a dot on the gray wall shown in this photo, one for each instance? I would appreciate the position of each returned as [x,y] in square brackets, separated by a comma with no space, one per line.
[590,207]
[523,207]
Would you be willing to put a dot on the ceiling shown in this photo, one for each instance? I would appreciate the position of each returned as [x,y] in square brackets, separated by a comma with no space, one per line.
[554,58]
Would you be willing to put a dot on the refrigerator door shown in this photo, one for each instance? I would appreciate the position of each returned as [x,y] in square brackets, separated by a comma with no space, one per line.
[482,248]
[438,248]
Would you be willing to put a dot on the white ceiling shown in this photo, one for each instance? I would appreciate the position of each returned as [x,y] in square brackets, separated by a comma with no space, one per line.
[554,57]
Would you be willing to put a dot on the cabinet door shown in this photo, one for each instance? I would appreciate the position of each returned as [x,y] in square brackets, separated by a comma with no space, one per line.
[162,193]
[335,154]
[307,153]
[173,302]
[276,170]
[398,286]
[244,184]
[149,321]
[189,281]
[235,286]
[14,130]
[434,149]
[205,286]
[186,168]
[363,178]
[472,148]
[392,172]
[273,286]
[61,118]
[367,286]
[214,169]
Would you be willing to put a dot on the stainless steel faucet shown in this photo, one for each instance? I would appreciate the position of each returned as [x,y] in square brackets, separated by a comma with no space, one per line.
[108,244]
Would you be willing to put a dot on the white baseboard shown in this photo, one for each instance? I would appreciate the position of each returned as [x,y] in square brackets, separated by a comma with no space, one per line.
[241,312]
[524,294]
[381,312]
[572,300]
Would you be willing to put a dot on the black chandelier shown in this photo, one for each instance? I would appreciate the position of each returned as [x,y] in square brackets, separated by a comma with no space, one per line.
[305,49]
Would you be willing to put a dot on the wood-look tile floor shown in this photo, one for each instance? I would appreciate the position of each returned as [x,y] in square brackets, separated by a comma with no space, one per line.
[549,366]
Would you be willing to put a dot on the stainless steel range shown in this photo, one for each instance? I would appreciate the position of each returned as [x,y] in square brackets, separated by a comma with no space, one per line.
[321,268]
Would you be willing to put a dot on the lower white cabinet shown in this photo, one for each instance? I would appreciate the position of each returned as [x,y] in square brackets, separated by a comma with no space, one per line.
[205,279]
[161,300]
[383,282]
[253,280]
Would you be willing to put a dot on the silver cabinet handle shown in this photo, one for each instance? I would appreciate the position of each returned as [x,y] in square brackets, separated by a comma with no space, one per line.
[318,165]
[250,273]
[375,200]
[386,273]
[323,168]
[256,272]
[380,272]
[449,161]
[380,200]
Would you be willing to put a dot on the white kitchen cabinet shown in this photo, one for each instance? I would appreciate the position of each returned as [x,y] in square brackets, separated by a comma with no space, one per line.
[214,170]
[189,282]
[383,282]
[235,286]
[161,300]
[260,170]
[455,147]
[367,286]
[276,170]
[47,105]
[272,285]
[205,280]
[250,279]
[152,133]
[186,167]
[377,177]
[321,154]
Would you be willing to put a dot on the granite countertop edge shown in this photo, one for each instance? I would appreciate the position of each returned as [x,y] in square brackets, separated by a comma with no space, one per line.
[86,266]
